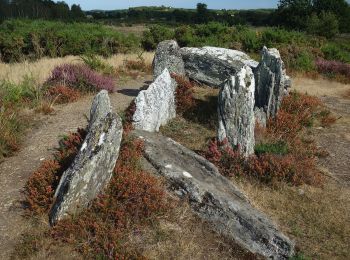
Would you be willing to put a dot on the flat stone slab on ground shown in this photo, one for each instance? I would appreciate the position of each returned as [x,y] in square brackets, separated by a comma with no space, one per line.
[214,198]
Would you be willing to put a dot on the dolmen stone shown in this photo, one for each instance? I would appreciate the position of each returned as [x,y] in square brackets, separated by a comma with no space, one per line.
[156,105]
[212,66]
[236,111]
[272,82]
[93,166]
[214,198]
[167,56]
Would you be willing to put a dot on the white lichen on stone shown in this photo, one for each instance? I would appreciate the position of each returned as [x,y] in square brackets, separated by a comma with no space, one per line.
[156,105]
[102,139]
[168,166]
[83,147]
[187,174]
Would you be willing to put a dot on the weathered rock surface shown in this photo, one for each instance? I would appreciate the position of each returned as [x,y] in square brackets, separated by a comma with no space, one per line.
[236,111]
[214,198]
[156,105]
[212,66]
[167,56]
[272,82]
[93,167]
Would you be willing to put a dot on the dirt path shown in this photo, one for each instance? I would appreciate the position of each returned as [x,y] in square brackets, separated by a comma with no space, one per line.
[15,170]
[336,138]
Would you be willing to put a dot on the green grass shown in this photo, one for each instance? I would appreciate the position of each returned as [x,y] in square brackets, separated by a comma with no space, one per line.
[280,148]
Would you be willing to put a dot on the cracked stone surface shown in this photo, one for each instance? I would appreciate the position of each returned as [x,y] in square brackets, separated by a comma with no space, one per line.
[214,198]
[93,167]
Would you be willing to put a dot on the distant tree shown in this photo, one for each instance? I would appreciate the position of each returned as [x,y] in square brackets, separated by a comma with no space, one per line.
[293,13]
[325,24]
[202,13]
[76,11]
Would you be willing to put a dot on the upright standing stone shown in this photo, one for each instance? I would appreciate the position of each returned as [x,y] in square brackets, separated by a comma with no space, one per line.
[156,105]
[272,82]
[167,56]
[212,65]
[236,111]
[93,166]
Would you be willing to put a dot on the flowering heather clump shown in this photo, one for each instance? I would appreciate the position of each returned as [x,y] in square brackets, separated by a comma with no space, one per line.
[337,67]
[63,94]
[184,94]
[133,198]
[80,77]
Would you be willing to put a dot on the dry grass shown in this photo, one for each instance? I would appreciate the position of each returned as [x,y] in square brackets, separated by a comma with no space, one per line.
[319,87]
[41,69]
[317,218]
[182,235]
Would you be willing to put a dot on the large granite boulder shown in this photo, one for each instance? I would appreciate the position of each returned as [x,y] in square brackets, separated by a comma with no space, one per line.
[272,82]
[212,66]
[236,111]
[93,166]
[167,56]
[156,105]
[214,198]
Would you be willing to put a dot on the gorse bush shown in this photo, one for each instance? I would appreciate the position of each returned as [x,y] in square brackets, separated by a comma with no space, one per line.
[80,77]
[97,64]
[33,39]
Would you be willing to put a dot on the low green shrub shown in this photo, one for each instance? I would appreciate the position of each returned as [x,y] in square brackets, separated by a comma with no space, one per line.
[280,148]
[97,64]
[33,39]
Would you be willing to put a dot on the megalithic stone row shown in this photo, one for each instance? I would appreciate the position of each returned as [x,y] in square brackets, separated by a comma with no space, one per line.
[93,166]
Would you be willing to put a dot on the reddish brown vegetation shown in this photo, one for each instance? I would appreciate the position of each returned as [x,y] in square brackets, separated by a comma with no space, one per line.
[133,198]
[184,94]
[297,165]
[63,94]
[41,185]
[128,115]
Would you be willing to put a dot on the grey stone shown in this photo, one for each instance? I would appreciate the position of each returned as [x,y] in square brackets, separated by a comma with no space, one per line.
[272,82]
[167,56]
[93,166]
[260,116]
[156,105]
[214,198]
[212,66]
[236,111]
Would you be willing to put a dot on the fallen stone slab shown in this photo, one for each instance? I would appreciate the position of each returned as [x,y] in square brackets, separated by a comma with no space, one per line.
[167,56]
[156,105]
[212,65]
[214,198]
[93,166]
[272,82]
[236,111]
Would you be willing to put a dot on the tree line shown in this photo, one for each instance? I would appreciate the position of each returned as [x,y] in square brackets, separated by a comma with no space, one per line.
[39,9]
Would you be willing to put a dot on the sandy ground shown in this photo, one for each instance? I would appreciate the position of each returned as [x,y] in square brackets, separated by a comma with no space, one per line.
[336,138]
